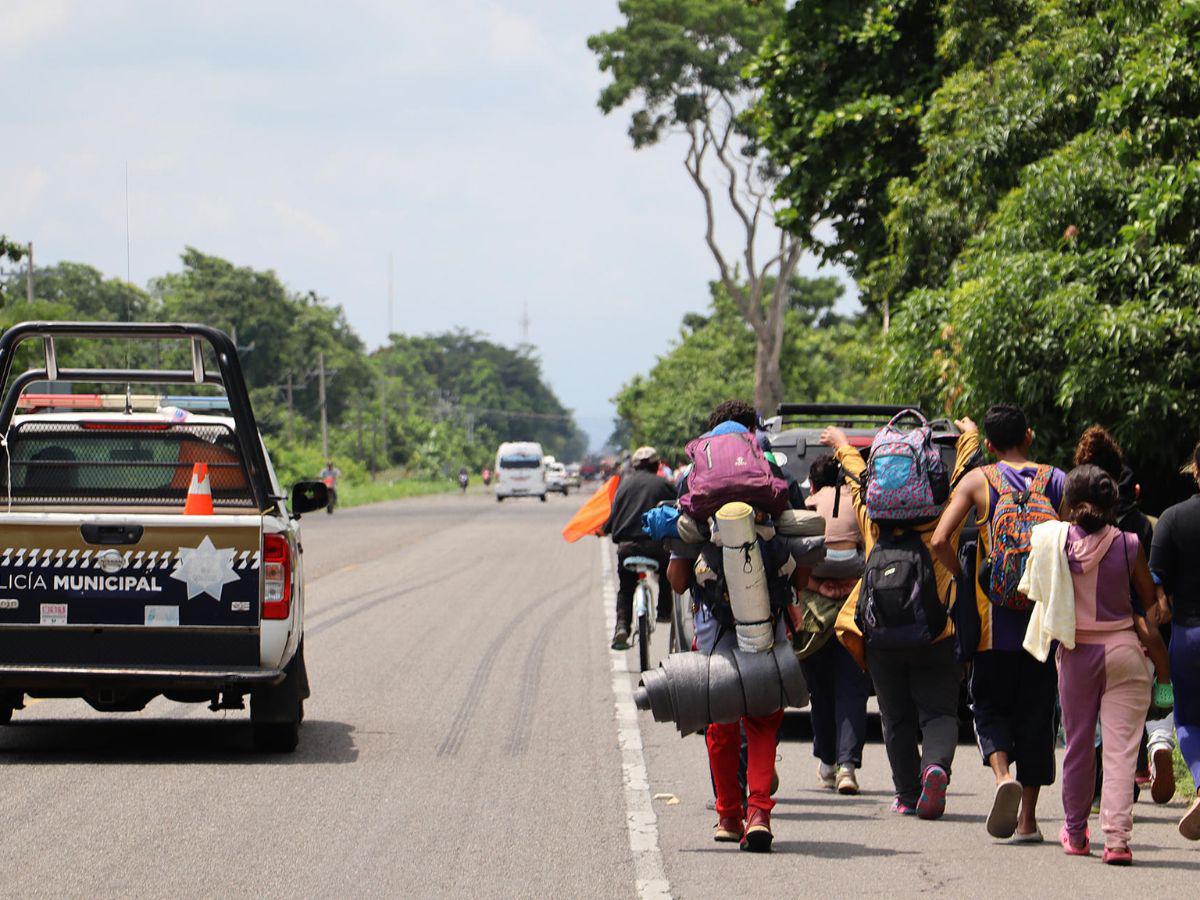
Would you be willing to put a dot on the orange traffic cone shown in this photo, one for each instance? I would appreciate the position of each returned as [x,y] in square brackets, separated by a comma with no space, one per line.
[199,495]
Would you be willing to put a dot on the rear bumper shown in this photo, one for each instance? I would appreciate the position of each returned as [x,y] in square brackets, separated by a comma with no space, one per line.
[82,678]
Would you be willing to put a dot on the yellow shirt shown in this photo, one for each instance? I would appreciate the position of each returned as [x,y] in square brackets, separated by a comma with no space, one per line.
[846,628]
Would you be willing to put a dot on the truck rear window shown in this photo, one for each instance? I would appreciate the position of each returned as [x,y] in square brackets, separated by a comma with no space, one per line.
[106,463]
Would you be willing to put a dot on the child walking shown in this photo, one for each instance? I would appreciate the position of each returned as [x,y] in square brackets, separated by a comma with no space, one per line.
[1102,673]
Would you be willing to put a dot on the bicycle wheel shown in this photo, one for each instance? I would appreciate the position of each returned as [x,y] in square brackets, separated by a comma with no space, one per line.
[644,640]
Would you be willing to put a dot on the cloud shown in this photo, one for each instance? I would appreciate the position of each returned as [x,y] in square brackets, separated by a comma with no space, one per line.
[24,22]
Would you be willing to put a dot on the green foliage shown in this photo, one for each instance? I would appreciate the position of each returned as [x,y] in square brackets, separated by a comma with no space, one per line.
[432,386]
[1047,250]
[825,358]
[673,55]
[844,86]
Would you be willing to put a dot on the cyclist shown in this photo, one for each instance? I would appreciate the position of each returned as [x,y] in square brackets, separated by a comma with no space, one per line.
[640,490]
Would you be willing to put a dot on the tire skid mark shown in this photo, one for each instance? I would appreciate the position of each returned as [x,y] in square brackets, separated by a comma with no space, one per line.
[518,740]
[327,608]
[453,740]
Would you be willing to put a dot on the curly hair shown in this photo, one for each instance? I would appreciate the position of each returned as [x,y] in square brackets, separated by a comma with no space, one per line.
[734,411]
[1097,447]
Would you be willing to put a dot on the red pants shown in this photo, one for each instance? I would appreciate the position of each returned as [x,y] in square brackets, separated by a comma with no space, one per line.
[724,742]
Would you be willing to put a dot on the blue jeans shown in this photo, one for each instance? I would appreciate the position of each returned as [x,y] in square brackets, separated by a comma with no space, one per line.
[1185,675]
[838,690]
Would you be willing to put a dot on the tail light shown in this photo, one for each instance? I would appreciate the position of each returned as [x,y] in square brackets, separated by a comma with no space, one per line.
[277,577]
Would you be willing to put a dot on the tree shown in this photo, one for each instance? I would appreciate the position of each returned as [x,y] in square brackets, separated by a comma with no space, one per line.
[829,359]
[1047,251]
[682,62]
[842,89]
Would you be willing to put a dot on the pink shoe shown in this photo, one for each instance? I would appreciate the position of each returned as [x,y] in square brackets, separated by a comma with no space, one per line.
[932,802]
[1117,856]
[1071,848]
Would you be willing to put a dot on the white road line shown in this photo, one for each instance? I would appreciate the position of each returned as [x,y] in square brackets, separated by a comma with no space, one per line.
[650,876]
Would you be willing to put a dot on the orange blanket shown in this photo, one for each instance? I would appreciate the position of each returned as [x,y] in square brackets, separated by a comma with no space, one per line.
[592,515]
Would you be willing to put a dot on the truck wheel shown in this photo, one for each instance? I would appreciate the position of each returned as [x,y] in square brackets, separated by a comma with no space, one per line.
[276,710]
[543,498]
[277,737]
[499,499]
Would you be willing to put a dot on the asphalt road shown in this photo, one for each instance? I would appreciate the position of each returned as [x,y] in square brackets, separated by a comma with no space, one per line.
[464,738]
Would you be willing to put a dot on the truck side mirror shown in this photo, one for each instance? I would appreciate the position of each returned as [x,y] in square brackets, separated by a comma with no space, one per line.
[308,496]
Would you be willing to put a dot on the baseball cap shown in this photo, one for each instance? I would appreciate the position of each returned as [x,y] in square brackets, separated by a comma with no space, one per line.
[645,454]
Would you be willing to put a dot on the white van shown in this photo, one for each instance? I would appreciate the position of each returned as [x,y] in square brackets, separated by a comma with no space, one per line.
[520,470]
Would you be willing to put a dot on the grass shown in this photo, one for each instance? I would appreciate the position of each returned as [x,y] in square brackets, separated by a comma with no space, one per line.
[391,486]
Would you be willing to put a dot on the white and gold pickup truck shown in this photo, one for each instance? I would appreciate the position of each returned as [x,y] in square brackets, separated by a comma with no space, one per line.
[120,579]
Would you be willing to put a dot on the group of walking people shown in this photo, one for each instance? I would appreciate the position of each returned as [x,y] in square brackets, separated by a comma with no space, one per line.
[1070,609]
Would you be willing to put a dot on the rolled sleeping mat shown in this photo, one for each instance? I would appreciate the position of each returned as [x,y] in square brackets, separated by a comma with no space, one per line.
[806,551]
[689,531]
[694,689]
[800,523]
[745,577]
[843,568]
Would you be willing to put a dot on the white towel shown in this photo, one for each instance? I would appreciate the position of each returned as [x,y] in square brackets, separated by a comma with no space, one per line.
[1047,581]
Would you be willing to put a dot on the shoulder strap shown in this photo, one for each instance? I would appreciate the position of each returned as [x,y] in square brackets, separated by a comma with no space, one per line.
[1041,479]
[995,480]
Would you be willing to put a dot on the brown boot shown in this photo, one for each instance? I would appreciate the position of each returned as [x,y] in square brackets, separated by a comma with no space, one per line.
[728,830]
[758,837]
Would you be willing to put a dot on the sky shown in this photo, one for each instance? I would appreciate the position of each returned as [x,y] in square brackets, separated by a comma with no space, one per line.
[460,137]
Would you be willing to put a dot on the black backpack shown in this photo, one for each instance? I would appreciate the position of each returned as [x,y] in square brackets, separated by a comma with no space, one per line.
[898,604]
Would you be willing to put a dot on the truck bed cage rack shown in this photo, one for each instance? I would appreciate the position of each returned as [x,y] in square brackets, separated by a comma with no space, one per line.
[845,414]
[228,377]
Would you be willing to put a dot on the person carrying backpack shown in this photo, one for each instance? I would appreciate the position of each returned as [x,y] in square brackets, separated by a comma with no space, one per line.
[896,623]
[730,445]
[1012,694]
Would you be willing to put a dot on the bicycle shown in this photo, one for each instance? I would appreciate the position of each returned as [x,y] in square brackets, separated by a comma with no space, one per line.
[643,607]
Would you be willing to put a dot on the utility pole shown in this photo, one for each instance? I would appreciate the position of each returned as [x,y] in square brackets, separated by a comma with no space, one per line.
[391,314]
[358,420]
[321,399]
[291,412]
[383,414]
[525,323]
[29,274]
[128,242]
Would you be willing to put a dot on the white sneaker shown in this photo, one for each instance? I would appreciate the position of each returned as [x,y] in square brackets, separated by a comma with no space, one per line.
[847,782]
[827,776]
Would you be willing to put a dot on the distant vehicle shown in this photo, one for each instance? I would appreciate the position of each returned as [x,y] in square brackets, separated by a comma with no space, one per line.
[151,550]
[556,478]
[520,470]
[573,478]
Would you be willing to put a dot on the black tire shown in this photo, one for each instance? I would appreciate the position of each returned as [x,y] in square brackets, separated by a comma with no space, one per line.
[6,713]
[643,638]
[277,737]
[276,710]
[543,498]
[499,499]
[682,627]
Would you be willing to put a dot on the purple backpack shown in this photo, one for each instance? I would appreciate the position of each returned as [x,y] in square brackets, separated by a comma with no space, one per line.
[727,468]
[906,478]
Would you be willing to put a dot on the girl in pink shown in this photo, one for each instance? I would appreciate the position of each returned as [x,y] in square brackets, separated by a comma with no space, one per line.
[1105,676]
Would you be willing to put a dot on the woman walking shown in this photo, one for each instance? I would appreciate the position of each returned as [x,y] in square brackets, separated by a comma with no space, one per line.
[1176,565]
[1088,566]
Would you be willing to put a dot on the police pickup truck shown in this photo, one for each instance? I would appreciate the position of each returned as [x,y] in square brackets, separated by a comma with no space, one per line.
[109,590]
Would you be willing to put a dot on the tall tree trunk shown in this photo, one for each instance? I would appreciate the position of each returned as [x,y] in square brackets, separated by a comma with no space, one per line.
[768,376]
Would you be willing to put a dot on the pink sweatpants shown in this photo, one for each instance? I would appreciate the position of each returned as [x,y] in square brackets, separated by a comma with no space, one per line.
[1104,677]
